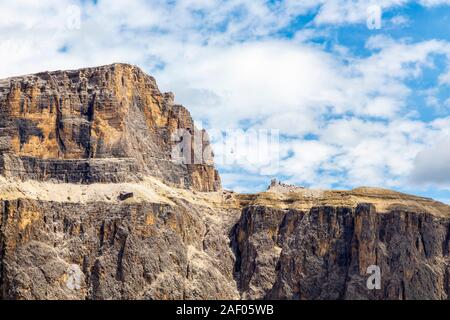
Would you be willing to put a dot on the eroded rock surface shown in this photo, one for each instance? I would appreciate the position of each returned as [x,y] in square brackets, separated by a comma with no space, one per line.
[121,251]
[114,111]
[93,206]
[325,253]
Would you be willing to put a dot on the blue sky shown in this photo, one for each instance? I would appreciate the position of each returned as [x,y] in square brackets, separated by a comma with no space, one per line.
[350,105]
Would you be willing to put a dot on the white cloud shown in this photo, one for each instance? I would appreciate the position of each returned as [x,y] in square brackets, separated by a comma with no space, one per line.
[432,165]
[444,79]
[431,3]
[349,11]
[355,11]
[255,81]
[367,153]
[382,107]
[400,20]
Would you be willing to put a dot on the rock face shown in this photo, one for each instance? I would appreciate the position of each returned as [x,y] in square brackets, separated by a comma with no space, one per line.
[94,204]
[325,253]
[91,115]
[121,251]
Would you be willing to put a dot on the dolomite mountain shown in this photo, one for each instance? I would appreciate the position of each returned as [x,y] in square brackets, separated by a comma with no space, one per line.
[94,206]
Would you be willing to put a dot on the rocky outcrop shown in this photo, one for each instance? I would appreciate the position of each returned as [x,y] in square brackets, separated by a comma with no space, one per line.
[325,253]
[109,112]
[103,195]
[278,186]
[126,250]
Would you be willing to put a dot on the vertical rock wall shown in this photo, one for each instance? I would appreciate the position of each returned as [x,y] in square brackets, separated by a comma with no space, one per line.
[325,253]
[114,111]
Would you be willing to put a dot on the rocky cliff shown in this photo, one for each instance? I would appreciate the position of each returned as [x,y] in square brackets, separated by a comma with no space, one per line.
[104,124]
[93,205]
[319,245]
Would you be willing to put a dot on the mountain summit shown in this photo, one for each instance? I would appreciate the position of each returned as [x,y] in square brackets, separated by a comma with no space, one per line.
[103,124]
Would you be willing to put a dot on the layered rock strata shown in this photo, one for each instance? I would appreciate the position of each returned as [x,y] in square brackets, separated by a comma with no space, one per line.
[91,116]
[94,204]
